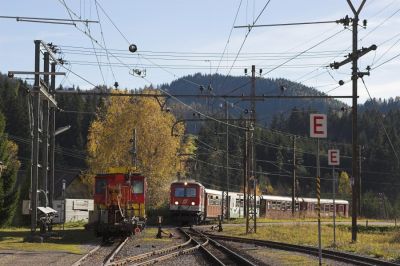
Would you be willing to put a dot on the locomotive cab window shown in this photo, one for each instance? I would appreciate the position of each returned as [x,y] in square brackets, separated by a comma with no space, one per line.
[179,192]
[190,192]
[185,192]
[137,186]
[100,186]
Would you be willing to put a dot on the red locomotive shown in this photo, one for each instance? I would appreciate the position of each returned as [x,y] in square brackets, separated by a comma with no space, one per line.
[119,200]
[187,201]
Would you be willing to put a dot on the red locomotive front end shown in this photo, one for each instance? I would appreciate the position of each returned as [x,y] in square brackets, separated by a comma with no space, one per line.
[119,203]
[187,201]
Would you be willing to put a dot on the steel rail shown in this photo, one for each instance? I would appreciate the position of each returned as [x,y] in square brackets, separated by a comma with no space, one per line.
[231,254]
[115,251]
[82,259]
[95,249]
[174,254]
[140,257]
[330,254]
[208,254]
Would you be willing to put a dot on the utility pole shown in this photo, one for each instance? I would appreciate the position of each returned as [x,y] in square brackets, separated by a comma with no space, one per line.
[294,177]
[353,57]
[227,161]
[354,78]
[45,132]
[42,128]
[52,129]
[35,141]
[245,172]
[251,218]
[225,202]
[359,173]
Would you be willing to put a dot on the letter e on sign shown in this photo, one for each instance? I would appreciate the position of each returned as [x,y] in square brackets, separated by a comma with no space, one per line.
[318,128]
[333,157]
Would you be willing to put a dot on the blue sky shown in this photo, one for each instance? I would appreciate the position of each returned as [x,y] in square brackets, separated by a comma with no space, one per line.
[176,38]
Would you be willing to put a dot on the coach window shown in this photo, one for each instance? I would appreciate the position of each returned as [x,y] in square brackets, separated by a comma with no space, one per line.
[137,187]
[179,192]
[100,186]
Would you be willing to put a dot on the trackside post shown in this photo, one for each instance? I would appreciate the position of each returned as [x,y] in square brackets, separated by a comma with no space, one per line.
[318,129]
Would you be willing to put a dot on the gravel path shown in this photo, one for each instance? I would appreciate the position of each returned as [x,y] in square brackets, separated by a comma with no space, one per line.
[29,258]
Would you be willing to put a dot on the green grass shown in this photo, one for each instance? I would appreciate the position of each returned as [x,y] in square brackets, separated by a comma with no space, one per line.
[270,220]
[68,240]
[380,243]
[286,258]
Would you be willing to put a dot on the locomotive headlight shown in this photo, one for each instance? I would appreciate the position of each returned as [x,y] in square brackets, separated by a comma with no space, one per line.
[193,203]
[176,202]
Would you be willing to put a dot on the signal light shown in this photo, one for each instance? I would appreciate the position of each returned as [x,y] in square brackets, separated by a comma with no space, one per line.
[193,203]
[176,202]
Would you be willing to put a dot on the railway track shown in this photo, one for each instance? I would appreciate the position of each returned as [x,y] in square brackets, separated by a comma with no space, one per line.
[217,253]
[102,254]
[157,255]
[214,252]
[327,254]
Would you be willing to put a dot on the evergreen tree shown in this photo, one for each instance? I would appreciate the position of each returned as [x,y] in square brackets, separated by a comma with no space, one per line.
[9,192]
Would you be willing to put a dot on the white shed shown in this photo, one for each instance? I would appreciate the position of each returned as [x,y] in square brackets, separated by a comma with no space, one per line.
[75,210]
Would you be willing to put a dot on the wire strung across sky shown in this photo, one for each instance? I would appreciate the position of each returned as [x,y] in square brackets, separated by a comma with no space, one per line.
[228,40]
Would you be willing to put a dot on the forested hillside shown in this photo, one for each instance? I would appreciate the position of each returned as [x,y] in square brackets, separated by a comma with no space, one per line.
[274,157]
[277,120]
[199,84]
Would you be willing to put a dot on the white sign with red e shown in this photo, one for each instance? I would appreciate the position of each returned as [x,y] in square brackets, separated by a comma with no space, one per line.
[333,157]
[318,126]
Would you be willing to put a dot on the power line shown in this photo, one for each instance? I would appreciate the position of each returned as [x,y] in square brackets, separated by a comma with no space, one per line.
[104,41]
[244,40]
[290,59]
[229,37]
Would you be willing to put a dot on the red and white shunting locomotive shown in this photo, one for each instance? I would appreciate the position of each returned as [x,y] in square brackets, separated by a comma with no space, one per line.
[119,197]
[191,202]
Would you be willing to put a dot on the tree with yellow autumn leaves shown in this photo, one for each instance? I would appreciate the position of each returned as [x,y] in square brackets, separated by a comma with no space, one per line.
[110,142]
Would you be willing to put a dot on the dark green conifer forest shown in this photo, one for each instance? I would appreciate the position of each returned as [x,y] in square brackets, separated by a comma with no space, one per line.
[278,122]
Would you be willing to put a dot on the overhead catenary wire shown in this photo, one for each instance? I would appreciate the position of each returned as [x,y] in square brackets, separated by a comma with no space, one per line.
[104,41]
[229,37]
[290,59]
[244,40]
[164,91]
